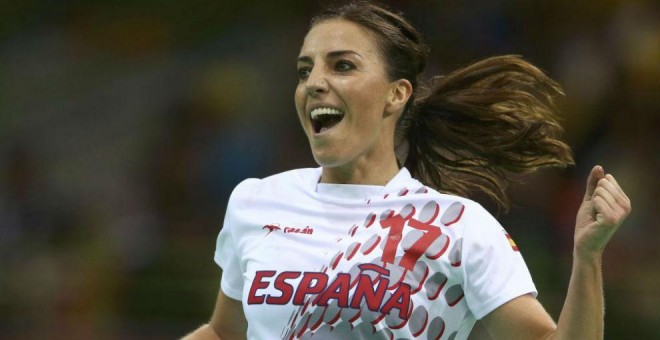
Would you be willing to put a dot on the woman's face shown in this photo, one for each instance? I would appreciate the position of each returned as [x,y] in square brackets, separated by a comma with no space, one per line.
[344,98]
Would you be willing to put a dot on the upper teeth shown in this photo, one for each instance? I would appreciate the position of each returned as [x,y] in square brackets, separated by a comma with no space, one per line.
[324,111]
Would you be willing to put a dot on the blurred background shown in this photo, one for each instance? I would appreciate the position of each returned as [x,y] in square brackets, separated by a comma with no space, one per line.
[124,126]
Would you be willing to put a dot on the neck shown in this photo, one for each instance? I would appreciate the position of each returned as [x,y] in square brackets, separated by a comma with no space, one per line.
[362,172]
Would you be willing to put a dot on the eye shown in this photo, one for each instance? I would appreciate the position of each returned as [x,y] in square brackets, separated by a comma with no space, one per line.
[344,65]
[303,72]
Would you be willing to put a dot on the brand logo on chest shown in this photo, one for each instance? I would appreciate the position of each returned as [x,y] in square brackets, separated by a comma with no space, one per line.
[288,229]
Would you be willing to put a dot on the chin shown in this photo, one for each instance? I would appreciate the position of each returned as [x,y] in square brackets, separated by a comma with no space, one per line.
[328,160]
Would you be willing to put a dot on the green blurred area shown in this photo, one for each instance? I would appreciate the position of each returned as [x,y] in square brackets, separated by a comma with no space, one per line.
[125,125]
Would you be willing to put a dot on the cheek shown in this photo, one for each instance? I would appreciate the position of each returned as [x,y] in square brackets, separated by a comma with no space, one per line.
[297,96]
[370,103]
[299,100]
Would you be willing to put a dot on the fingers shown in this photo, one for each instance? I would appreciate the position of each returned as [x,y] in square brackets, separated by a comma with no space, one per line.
[604,212]
[613,193]
[610,201]
[604,193]
[596,173]
[618,189]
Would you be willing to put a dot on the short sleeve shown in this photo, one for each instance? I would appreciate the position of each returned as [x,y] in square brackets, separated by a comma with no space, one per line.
[495,271]
[227,254]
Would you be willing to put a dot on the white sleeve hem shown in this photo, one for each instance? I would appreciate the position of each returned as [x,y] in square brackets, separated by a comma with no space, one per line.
[231,292]
[499,300]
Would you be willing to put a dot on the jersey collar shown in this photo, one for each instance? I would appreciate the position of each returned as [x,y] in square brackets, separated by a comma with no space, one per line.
[359,191]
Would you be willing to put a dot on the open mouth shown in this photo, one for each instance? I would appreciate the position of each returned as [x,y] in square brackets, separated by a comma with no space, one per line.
[325,118]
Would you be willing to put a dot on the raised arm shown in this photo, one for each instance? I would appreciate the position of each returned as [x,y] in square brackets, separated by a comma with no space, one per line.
[227,322]
[602,211]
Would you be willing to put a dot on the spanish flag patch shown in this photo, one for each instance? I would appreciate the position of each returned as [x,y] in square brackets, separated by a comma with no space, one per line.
[513,244]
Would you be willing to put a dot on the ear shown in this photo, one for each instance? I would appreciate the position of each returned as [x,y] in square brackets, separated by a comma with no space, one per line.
[398,96]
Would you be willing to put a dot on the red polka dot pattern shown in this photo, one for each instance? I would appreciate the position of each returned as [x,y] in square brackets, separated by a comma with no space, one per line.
[314,321]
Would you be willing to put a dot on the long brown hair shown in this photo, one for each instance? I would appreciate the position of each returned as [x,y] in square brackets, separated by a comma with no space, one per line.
[469,130]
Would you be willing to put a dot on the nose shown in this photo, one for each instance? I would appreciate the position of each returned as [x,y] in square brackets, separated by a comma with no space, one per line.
[316,83]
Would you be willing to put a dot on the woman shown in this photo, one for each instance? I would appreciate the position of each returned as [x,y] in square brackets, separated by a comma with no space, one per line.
[365,248]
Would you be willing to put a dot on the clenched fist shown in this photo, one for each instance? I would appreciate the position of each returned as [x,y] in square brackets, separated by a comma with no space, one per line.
[602,211]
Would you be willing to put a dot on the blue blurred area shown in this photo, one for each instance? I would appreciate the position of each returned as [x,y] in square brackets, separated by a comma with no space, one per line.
[125,125]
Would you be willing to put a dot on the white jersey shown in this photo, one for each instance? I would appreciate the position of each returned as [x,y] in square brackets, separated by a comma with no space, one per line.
[334,261]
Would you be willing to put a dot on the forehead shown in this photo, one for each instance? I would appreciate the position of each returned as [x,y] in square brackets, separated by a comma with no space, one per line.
[336,35]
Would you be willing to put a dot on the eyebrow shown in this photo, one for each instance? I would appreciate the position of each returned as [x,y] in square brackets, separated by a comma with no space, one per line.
[332,54]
